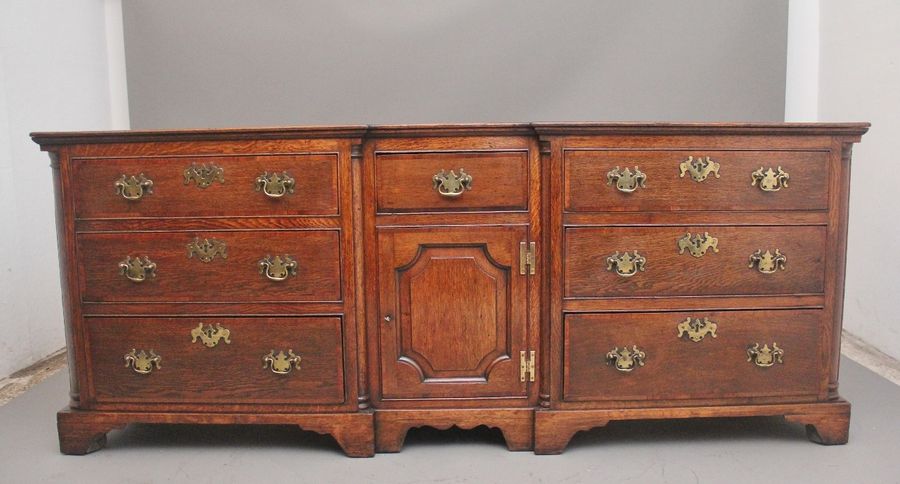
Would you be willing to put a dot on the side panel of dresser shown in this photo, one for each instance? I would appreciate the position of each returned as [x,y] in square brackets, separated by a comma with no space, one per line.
[824,412]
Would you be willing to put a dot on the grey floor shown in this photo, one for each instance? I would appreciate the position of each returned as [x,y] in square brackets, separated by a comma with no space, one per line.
[757,450]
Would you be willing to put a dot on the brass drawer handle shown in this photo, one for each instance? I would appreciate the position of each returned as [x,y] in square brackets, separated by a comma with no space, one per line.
[626,265]
[210,336]
[203,175]
[450,184]
[275,185]
[137,269]
[142,362]
[767,262]
[207,249]
[278,268]
[281,363]
[626,360]
[133,187]
[697,329]
[765,357]
[699,169]
[697,245]
[626,181]
[769,180]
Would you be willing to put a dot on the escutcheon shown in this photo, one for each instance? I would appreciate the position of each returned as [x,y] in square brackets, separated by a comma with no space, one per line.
[450,184]
[278,268]
[765,357]
[769,180]
[141,361]
[699,169]
[626,180]
[207,249]
[626,360]
[767,262]
[281,363]
[697,245]
[696,329]
[626,265]
[137,269]
[210,336]
[275,185]
[133,187]
[203,174]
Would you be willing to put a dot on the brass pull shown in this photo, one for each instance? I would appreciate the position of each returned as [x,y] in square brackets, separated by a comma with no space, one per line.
[275,185]
[278,268]
[770,180]
[281,363]
[625,359]
[699,169]
[450,184]
[210,336]
[697,245]
[204,175]
[133,187]
[142,362]
[626,181]
[626,265]
[137,269]
[207,249]
[765,357]
[697,329]
[767,262]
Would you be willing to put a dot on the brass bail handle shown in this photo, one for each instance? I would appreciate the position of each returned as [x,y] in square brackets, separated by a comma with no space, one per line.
[450,184]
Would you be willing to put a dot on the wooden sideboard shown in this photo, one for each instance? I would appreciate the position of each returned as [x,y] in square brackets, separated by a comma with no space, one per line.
[540,278]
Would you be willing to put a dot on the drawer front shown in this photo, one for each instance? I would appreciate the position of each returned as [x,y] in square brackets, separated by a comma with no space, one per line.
[423,182]
[675,180]
[696,365]
[292,184]
[197,362]
[601,261]
[210,267]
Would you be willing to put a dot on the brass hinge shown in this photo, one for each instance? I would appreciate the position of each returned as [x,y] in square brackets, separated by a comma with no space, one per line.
[526,365]
[526,257]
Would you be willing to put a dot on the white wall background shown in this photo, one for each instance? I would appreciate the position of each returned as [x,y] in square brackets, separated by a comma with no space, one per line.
[57,72]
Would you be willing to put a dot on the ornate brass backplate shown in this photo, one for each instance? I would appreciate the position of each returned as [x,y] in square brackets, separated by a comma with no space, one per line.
[450,184]
[204,175]
[210,336]
[133,187]
[281,363]
[626,360]
[137,269]
[765,356]
[696,329]
[275,185]
[625,265]
[769,180]
[142,362]
[697,245]
[767,262]
[699,169]
[626,180]
[207,249]
[278,268]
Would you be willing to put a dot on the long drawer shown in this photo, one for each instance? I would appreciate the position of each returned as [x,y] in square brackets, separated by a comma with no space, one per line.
[682,180]
[693,261]
[263,185]
[692,355]
[233,360]
[210,267]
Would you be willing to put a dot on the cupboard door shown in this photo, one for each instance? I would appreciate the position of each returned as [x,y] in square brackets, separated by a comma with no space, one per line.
[453,312]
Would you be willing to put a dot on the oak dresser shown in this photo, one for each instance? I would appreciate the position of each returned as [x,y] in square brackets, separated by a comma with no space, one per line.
[538,278]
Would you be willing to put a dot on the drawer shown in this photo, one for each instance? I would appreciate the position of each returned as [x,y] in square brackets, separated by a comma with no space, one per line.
[592,183]
[600,261]
[210,267]
[295,184]
[199,363]
[729,365]
[446,182]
